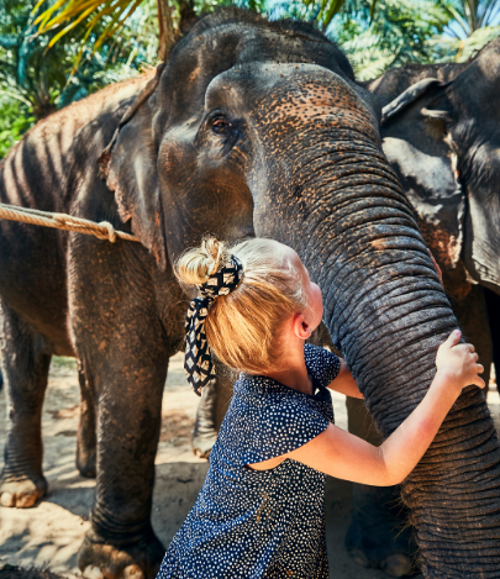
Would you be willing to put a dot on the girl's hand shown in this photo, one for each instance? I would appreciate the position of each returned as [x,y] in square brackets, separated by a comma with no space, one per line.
[457,364]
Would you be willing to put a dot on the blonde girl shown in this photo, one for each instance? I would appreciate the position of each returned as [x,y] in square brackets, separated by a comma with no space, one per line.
[260,513]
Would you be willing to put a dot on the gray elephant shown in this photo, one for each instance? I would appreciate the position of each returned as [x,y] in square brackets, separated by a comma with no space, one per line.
[251,128]
[440,130]
[423,157]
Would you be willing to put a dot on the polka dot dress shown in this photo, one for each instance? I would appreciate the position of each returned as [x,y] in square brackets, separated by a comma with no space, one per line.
[249,524]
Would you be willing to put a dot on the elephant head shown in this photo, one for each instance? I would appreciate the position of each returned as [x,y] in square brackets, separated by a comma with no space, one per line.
[441,132]
[258,128]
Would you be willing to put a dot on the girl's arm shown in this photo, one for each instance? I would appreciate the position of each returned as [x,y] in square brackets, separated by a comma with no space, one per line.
[343,455]
[344,382]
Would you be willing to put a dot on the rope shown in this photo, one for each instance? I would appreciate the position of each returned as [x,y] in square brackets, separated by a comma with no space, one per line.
[102,230]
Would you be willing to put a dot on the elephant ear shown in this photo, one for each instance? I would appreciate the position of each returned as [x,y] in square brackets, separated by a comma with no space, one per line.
[128,164]
[416,140]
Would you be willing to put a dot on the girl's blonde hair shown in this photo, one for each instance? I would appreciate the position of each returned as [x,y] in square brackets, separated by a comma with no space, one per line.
[243,328]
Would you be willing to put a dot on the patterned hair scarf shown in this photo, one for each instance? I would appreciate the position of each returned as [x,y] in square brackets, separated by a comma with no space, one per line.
[198,363]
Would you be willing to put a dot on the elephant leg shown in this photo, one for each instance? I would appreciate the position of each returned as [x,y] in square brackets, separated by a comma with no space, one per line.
[121,539]
[25,360]
[493,308]
[225,382]
[205,432]
[126,320]
[86,436]
[212,408]
[378,535]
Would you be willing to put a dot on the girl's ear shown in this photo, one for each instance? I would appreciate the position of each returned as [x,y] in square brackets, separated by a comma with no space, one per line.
[300,327]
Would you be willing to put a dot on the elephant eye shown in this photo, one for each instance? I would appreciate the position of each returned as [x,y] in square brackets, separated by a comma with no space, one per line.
[220,124]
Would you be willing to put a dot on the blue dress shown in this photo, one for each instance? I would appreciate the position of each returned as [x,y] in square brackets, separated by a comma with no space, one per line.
[249,524]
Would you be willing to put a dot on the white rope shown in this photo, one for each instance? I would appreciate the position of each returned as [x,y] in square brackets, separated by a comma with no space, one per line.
[102,230]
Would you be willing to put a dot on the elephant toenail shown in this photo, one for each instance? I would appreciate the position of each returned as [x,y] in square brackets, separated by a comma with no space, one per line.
[397,565]
[359,557]
[26,501]
[133,572]
[92,572]
[7,500]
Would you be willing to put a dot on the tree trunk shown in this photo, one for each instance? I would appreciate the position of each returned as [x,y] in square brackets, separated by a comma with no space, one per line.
[166,25]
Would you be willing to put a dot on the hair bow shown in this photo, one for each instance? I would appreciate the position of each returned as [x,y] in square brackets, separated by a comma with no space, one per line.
[198,363]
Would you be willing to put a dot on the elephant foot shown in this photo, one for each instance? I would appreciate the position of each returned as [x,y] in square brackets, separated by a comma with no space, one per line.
[205,432]
[202,443]
[23,493]
[379,536]
[86,463]
[139,559]
[398,565]
[395,565]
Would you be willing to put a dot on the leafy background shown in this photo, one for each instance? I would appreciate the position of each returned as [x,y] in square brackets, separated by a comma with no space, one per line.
[59,51]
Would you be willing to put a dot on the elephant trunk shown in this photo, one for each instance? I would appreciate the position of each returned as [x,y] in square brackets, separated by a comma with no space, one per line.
[387,311]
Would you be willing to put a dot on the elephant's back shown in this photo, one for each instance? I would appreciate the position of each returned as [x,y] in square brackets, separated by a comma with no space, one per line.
[391,84]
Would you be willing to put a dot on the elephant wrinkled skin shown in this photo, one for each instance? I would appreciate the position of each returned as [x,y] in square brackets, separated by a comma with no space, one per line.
[251,128]
[440,137]
[440,131]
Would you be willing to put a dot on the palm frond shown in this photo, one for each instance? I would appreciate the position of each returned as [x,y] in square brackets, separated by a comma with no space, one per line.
[116,23]
[74,12]
[44,17]
[56,21]
[64,16]
[463,49]
[329,9]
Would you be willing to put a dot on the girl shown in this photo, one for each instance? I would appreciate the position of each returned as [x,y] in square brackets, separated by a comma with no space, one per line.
[260,513]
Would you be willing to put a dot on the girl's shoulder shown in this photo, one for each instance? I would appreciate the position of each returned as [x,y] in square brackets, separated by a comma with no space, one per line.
[267,419]
[321,363]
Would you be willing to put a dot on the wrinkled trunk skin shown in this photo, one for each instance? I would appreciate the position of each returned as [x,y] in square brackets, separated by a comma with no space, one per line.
[387,313]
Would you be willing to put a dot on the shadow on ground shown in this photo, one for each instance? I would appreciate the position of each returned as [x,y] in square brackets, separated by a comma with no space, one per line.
[10,572]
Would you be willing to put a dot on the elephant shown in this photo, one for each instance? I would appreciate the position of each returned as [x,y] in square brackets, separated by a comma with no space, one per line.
[251,128]
[414,141]
[439,132]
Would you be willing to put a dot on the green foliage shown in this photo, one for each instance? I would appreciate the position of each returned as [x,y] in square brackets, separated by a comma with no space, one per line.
[454,49]
[470,15]
[376,37]
[35,81]
[15,120]
[102,18]
[473,23]
[296,10]
[399,32]
[62,16]
[389,33]
[381,34]
[63,362]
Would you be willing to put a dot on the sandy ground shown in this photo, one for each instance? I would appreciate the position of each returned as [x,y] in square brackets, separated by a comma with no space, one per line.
[49,535]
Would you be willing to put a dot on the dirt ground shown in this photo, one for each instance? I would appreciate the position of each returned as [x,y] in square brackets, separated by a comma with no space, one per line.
[49,535]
